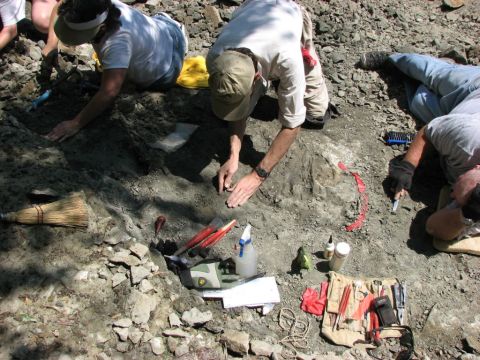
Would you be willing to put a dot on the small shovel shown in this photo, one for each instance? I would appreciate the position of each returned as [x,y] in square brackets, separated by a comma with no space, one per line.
[200,236]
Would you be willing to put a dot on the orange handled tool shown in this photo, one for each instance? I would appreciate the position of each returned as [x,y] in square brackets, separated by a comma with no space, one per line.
[200,236]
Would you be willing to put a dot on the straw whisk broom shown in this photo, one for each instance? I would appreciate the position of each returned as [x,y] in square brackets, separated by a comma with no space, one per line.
[70,211]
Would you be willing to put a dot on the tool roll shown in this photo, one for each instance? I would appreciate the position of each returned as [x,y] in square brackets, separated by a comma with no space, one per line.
[357,332]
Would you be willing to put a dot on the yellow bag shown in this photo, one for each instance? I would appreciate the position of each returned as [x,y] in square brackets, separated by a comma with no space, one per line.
[194,73]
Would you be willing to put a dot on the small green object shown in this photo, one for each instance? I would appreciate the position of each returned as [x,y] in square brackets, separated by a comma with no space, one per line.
[304,259]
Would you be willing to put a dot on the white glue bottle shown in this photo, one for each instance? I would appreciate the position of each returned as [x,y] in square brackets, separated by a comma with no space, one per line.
[329,248]
[246,259]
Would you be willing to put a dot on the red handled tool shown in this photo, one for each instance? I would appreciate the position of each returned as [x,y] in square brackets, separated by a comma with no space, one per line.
[200,236]
[342,309]
[213,239]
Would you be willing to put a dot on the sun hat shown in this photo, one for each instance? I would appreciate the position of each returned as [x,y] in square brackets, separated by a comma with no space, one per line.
[77,33]
[231,82]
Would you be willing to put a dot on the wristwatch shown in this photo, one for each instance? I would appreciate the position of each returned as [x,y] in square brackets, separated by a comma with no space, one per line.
[261,172]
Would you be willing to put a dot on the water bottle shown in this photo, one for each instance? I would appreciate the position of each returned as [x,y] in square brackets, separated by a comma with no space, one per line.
[246,259]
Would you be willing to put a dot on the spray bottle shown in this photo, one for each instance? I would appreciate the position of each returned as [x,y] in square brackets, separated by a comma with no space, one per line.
[246,260]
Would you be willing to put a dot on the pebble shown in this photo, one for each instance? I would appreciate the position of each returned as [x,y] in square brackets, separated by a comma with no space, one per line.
[174,320]
[135,335]
[81,276]
[121,332]
[138,273]
[145,286]
[176,333]
[261,348]
[236,341]
[142,306]
[118,278]
[124,257]
[182,349]
[123,323]
[157,345]
[122,347]
[139,250]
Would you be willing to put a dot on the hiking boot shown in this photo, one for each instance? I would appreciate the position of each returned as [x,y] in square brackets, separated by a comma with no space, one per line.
[319,122]
[373,60]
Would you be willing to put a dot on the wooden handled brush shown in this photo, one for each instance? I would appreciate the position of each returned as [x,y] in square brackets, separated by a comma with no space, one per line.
[70,211]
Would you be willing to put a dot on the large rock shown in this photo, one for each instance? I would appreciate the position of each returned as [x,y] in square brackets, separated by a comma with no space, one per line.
[236,341]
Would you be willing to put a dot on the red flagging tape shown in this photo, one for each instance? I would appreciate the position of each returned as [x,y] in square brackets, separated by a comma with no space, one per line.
[357,224]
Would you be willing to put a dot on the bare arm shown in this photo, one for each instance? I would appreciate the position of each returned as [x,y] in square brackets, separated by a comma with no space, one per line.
[7,34]
[279,148]
[227,170]
[52,41]
[112,81]
[417,148]
[249,184]
[445,224]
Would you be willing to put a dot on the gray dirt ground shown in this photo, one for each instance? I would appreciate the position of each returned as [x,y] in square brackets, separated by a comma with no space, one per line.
[56,295]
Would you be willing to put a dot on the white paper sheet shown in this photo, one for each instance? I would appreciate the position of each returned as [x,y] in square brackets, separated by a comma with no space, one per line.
[257,292]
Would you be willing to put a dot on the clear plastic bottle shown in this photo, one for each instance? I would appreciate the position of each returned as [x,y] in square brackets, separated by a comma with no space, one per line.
[246,259]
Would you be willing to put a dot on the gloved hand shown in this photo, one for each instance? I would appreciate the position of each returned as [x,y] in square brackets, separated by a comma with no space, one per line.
[401,173]
[471,210]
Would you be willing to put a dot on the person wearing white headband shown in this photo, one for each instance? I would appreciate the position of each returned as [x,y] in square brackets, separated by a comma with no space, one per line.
[147,51]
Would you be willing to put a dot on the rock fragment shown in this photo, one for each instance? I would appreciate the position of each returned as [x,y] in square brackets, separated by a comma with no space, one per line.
[138,273]
[124,257]
[118,278]
[122,333]
[141,306]
[123,323]
[261,348]
[157,345]
[176,333]
[196,317]
[135,335]
[174,320]
[139,250]
[236,341]
[145,286]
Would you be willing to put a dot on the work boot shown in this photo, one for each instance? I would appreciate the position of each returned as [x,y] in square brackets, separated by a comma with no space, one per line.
[373,60]
[319,122]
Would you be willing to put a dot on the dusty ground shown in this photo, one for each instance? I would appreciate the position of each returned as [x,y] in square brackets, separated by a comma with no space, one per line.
[57,299]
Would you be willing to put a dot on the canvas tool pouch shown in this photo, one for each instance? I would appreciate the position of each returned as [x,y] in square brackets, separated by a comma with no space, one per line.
[353,332]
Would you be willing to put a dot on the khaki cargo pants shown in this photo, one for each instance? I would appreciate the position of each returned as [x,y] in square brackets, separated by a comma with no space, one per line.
[316,94]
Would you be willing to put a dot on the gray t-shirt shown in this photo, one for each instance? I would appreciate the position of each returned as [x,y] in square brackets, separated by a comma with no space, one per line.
[456,137]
